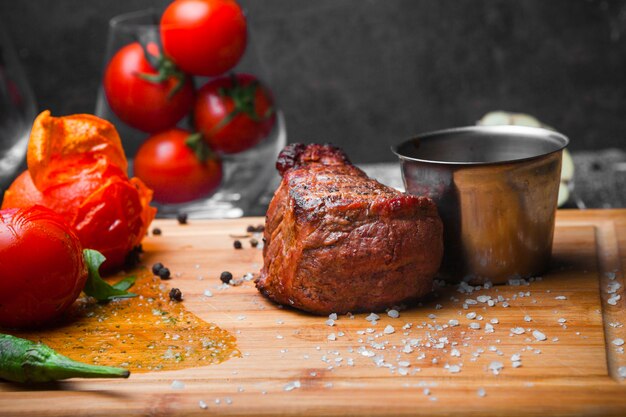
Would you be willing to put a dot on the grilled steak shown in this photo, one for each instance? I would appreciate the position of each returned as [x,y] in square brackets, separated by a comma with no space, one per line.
[338,241]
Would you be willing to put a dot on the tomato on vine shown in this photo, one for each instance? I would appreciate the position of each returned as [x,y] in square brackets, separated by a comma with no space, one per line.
[178,166]
[145,90]
[234,113]
[204,37]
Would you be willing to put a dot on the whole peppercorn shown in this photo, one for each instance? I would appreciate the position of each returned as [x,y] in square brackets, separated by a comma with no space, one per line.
[164,273]
[254,243]
[260,228]
[176,295]
[157,267]
[182,218]
[225,277]
[250,229]
[237,244]
[156,231]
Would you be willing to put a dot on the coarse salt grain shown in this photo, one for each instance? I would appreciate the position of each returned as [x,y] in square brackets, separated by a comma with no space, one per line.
[372,317]
[614,299]
[518,330]
[528,319]
[453,322]
[332,316]
[483,298]
[496,367]
[454,369]
[618,342]
[621,371]
[208,293]
[330,322]
[176,384]
[562,320]
[539,336]
[202,405]
[474,326]
[389,329]
[291,386]
[332,337]
[560,297]
[394,314]
[471,315]
[494,321]
[481,392]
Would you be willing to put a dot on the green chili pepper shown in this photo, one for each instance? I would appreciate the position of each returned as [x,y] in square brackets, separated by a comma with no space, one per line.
[24,361]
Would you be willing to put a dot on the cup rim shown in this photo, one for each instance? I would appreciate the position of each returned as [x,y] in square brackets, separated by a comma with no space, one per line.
[122,20]
[562,140]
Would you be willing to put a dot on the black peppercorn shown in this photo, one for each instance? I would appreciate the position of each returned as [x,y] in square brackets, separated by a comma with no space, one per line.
[237,244]
[182,218]
[176,295]
[156,231]
[260,228]
[254,243]
[250,229]
[164,273]
[225,277]
[156,268]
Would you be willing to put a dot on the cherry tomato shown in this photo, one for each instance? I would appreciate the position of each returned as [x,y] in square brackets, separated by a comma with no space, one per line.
[42,266]
[143,104]
[204,37]
[234,113]
[172,164]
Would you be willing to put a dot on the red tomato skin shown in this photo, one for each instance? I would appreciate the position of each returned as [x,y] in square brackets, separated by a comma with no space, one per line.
[204,37]
[43,270]
[139,103]
[241,133]
[170,168]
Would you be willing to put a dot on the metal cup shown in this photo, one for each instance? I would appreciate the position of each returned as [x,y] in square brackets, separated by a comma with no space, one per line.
[496,189]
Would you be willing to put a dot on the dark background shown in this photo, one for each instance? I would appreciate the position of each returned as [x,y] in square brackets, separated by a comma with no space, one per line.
[365,74]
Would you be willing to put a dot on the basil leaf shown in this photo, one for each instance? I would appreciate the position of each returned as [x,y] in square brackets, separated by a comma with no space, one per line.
[99,289]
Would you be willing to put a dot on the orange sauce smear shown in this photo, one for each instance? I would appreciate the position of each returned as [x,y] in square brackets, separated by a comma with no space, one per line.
[145,333]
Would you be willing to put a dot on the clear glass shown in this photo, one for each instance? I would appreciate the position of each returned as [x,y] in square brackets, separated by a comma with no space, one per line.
[247,174]
[17,112]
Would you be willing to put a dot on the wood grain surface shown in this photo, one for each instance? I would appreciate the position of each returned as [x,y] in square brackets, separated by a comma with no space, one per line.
[420,363]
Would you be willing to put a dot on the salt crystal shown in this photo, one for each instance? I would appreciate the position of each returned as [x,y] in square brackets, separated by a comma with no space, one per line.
[455,352]
[516,364]
[471,301]
[208,293]
[560,297]
[562,320]
[426,391]
[278,336]
[394,314]
[614,299]
[332,316]
[454,369]
[291,386]
[612,287]
[494,321]
[538,335]
[481,392]
[475,326]
[489,328]
[332,337]
[618,342]
[403,371]
[372,317]
[518,330]
[453,322]
[496,367]
[471,315]
[330,322]
[389,329]
[176,384]
[241,317]
[527,319]
[432,316]
[622,371]
[483,298]
[202,405]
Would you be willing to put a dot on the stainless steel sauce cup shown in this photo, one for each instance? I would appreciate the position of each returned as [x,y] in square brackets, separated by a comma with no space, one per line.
[496,188]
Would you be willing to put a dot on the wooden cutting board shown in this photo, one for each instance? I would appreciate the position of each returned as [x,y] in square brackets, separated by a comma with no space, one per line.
[290,363]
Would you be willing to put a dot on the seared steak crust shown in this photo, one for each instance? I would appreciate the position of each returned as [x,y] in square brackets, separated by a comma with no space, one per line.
[338,241]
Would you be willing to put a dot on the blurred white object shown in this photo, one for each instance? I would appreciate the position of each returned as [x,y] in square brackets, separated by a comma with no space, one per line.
[17,112]
[496,118]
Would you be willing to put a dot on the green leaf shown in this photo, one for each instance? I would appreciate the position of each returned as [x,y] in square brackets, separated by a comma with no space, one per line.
[99,289]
